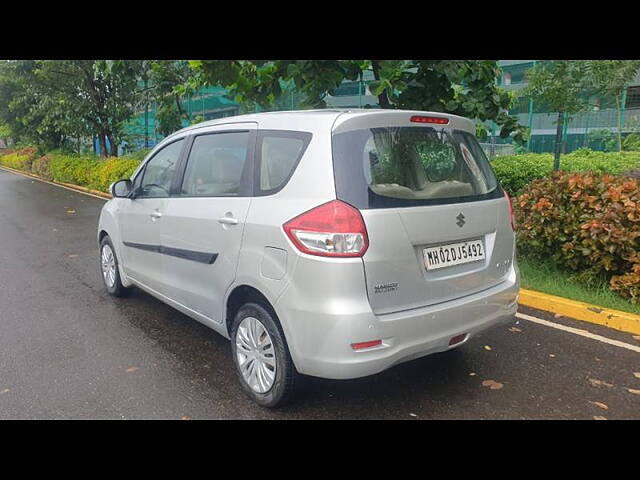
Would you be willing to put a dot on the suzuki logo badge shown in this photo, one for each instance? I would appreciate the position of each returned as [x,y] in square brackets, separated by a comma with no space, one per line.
[460,219]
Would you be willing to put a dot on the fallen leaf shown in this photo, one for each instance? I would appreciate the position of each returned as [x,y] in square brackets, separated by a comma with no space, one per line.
[552,355]
[487,347]
[71,211]
[598,417]
[636,374]
[600,404]
[557,315]
[514,329]
[599,383]
[492,384]
[472,374]
[636,337]
[633,390]
[184,417]
[6,390]
[413,414]
[132,369]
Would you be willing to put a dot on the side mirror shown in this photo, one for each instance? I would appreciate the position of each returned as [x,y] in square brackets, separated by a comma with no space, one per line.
[121,188]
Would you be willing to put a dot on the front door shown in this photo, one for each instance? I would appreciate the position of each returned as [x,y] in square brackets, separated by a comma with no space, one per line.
[141,216]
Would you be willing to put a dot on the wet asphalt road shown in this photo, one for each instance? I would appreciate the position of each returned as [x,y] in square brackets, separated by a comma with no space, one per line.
[68,350]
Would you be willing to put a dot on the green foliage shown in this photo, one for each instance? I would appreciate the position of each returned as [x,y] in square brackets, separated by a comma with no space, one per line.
[462,87]
[42,166]
[166,82]
[586,222]
[559,85]
[631,142]
[20,159]
[88,171]
[51,102]
[516,172]
[606,139]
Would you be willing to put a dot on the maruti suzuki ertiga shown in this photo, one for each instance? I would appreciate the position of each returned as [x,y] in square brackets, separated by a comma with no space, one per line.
[331,243]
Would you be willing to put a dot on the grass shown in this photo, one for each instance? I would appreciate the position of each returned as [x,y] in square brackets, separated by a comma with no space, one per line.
[547,278]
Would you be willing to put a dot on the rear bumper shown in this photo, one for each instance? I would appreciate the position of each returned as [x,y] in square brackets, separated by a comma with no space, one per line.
[320,341]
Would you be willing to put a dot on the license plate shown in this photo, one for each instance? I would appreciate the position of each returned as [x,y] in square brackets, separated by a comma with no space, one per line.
[453,254]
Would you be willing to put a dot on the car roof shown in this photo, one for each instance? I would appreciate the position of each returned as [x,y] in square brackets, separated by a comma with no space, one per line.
[295,119]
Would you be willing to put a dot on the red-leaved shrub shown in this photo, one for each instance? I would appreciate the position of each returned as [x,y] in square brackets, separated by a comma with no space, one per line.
[587,222]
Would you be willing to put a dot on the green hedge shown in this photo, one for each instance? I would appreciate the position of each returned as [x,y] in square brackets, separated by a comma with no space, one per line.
[518,171]
[85,170]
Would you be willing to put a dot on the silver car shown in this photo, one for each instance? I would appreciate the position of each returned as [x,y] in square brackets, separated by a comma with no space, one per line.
[330,243]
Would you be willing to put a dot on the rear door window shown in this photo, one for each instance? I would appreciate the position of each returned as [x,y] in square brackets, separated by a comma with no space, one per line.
[218,166]
[406,166]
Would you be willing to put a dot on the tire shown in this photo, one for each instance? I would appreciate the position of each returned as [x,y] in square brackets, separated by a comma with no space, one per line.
[113,284]
[260,388]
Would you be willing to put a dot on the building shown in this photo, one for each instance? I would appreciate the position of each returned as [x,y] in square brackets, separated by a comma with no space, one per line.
[601,115]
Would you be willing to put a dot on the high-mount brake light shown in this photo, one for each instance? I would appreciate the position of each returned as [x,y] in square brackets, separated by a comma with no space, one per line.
[334,229]
[425,119]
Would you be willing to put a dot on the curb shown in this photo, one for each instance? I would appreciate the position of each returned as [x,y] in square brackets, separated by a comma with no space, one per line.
[616,319]
[70,186]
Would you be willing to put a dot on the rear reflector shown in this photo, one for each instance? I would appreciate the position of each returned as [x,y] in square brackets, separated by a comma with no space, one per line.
[424,119]
[457,339]
[360,346]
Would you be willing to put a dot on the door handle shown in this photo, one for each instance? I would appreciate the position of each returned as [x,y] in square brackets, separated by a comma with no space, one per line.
[228,221]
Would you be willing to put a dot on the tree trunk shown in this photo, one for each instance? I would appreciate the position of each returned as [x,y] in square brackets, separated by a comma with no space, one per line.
[113,145]
[619,115]
[558,146]
[103,144]
[383,98]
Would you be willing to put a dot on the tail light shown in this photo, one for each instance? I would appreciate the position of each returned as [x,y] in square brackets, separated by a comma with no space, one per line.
[512,217]
[334,229]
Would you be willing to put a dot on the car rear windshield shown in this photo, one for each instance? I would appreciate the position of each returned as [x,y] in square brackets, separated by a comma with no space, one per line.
[410,166]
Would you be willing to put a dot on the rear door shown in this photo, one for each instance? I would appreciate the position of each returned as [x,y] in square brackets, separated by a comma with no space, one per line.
[437,220]
[203,223]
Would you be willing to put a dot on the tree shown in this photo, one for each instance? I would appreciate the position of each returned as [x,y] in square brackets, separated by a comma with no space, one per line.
[167,82]
[49,103]
[54,100]
[99,95]
[563,87]
[611,78]
[23,117]
[461,87]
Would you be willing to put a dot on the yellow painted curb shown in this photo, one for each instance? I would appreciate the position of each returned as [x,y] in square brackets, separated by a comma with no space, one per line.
[71,186]
[616,319]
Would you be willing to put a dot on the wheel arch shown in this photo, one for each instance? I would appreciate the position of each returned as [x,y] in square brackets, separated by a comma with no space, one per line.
[245,293]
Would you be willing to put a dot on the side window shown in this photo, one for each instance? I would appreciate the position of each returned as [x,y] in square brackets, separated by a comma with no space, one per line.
[159,171]
[278,155]
[216,165]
